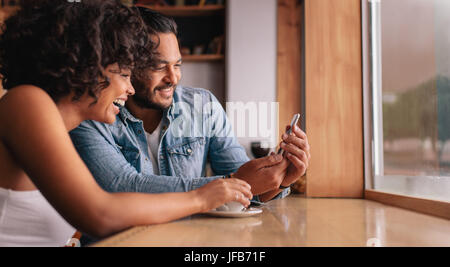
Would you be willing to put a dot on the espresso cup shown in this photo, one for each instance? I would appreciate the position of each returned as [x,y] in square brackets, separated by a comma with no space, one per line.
[233,206]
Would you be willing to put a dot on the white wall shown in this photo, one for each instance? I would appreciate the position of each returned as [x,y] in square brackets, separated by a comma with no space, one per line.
[251,58]
[206,75]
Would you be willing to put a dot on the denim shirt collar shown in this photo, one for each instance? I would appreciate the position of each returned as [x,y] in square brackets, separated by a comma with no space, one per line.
[125,115]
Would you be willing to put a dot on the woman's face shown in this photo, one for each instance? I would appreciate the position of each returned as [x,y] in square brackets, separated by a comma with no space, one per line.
[106,108]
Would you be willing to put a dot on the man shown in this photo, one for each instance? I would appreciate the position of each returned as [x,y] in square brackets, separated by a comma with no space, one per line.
[162,139]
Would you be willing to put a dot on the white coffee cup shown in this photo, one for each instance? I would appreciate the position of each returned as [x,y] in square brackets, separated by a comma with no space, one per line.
[233,206]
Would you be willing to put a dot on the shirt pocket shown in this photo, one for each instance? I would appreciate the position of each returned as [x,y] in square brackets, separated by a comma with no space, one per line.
[131,154]
[187,157]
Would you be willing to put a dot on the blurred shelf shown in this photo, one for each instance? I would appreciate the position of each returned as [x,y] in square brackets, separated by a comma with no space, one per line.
[7,11]
[187,11]
[199,58]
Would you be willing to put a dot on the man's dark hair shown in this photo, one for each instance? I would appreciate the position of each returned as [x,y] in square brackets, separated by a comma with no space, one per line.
[157,22]
[64,46]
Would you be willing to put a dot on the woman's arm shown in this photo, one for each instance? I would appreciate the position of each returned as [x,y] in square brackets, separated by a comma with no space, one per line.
[34,133]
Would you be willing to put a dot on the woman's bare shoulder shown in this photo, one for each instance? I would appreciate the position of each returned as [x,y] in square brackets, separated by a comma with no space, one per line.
[24,97]
[25,103]
[24,92]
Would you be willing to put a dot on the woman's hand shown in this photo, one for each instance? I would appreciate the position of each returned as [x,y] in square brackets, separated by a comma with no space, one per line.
[221,191]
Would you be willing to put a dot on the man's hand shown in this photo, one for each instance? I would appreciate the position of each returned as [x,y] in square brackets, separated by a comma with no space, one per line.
[263,174]
[296,149]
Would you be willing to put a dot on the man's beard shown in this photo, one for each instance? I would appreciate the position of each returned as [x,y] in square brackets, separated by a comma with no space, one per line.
[144,100]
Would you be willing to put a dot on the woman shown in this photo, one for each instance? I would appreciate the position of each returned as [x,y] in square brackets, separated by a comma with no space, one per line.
[64,63]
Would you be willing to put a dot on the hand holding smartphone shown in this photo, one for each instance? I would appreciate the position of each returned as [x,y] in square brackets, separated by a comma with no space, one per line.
[293,122]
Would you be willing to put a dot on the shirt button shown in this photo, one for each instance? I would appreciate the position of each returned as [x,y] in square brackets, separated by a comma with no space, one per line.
[146,159]
[139,132]
[161,157]
[189,151]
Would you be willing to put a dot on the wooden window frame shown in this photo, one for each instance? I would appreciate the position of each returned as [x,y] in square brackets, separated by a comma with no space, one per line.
[301,88]
[422,205]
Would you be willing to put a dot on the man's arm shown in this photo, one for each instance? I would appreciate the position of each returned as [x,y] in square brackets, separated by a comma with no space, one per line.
[114,173]
[225,152]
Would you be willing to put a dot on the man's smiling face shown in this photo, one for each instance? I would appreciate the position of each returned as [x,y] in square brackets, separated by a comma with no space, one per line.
[157,90]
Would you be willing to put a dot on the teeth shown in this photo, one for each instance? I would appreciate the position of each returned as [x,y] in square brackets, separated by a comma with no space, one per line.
[119,102]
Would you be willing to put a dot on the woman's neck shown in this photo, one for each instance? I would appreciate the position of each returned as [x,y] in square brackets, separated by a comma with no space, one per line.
[70,112]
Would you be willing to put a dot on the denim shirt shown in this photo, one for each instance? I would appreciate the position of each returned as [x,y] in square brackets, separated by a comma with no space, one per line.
[195,129]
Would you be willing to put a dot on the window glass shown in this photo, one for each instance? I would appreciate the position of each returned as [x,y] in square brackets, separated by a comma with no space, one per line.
[414,54]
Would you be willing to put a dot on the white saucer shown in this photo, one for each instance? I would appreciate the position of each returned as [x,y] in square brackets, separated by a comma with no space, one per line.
[233,214]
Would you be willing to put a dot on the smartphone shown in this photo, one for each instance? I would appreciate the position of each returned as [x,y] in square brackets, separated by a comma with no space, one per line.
[293,122]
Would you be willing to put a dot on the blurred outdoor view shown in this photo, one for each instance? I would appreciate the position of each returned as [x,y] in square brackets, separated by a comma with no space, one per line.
[415,62]
[416,86]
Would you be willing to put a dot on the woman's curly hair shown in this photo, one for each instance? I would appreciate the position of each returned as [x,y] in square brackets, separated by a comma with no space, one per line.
[64,46]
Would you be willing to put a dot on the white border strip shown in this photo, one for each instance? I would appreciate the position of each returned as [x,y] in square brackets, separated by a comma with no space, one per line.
[376,82]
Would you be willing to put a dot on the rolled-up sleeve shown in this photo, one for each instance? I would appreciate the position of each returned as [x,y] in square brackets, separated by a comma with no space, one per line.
[225,152]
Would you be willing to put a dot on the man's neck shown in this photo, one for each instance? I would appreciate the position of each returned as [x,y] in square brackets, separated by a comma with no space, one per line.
[150,117]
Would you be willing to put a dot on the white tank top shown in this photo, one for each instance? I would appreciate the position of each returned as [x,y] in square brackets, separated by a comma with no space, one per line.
[27,219]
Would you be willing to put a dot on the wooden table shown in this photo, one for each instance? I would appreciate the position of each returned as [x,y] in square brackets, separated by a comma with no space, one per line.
[297,221]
